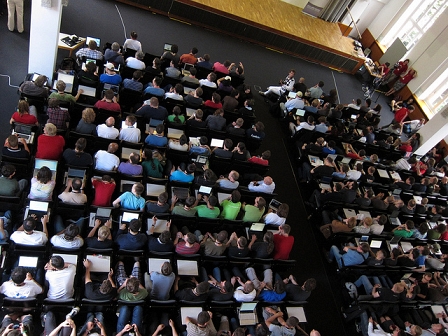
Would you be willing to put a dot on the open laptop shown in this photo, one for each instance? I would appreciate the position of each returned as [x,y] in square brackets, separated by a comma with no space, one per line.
[376,244]
[89,60]
[29,264]
[68,258]
[315,161]
[247,314]
[100,263]
[346,160]
[274,204]
[88,91]
[167,46]
[37,208]
[187,90]
[174,133]
[191,312]
[151,127]
[257,227]
[34,77]
[187,267]
[201,160]
[393,243]
[67,79]
[190,111]
[25,132]
[205,191]
[126,217]
[103,214]
[393,218]
[217,143]
[363,239]
[300,112]
[181,193]
[114,88]
[96,39]
[74,173]
[50,164]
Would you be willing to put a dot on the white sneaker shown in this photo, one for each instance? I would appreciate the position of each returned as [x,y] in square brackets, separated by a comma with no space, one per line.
[73,313]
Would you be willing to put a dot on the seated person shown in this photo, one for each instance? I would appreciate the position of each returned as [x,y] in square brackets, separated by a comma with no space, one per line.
[175,92]
[133,199]
[231,181]
[191,80]
[296,292]
[107,160]
[231,206]
[198,293]
[172,71]
[109,102]
[202,148]
[225,84]
[262,249]
[209,81]
[130,133]
[209,209]
[253,213]
[9,186]
[89,75]
[108,130]
[113,54]
[193,98]
[216,121]
[21,285]
[130,288]
[277,217]
[187,210]
[204,62]
[179,145]
[287,327]
[230,103]
[161,206]
[214,245]
[267,185]
[256,132]
[104,188]
[12,148]
[235,128]
[186,244]
[159,283]
[176,116]
[154,88]
[240,152]
[35,88]
[110,76]
[27,235]
[106,290]
[163,243]
[65,97]
[208,179]
[42,185]
[352,256]
[151,165]
[104,238]
[405,230]
[261,160]
[245,292]
[61,277]
[136,62]
[308,125]
[86,124]
[237,246]
[215,102]
[247,109]
[266,291]
[67,238]
[132,166]
[76,195]
[77,157]
[50,145]
[158,139]
[180,175]
[131,238]
[56,115]
[225,151]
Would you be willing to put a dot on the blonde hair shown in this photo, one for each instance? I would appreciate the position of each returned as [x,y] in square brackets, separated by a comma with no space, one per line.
[88,115]
[103,232]
[50,129]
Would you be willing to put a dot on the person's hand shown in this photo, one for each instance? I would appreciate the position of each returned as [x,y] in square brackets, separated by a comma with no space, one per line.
[29,276]
[99,324]
[171,322]
[127,327]
[200,197]
[174,199]
[87,263]
[80,91]
[97,222]
[154,219]
[90,325]
[22,140]
[44,219]
[160,327]
[262,285]
[377,286]
[254,237]
[108,223]
[135,327]
[210,313]
[179,235]
[168,224]
[111,272]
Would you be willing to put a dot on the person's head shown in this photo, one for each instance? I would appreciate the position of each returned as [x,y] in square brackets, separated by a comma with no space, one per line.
[18,275]
[134,35]
[160,128]
[236,196]
[163,197]
[285,228]
[212,200]
[103,233]
[165,237]
[105,287]
[242,242]
[203,318]
[71,232]
[190,200]
[92,44]
[29,224]
[283,210]
[322,120]
[166,268]
[345,168]
[109,94]
[60,86]
[203,140]
[138,188]
[50,129]
[76,184]
[134,158]
[291,73]
[193,72]
[174,48]
[315,103]
[211,77]
[228,144]
[91,67]
[239,122]
[139,55]
[441,228]
[409,224]
[351,222]
[40,80]
[292,322]
[219,112]
[115,46]
[88,115]
[222,236]
[44,175]
[80,144]
[190,238]
[112,148]
[191,168]
[309,285]
[202,288]
[321,84]
[364,247]
[110,122]
[57,262]
[132,285]
[241,146]
[234,175]
[137,75]
[260,203]
[23,107]
[268,180]
[248,287]
[179,88]
[135,225]
[13,141]
[8,170]
[362,153]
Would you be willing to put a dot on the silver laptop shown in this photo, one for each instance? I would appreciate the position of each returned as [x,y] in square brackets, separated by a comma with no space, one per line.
[67,79]
[88,91]
[217,143]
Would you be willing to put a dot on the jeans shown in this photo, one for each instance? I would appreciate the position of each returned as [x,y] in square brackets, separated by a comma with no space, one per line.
[234,324]
[121,273]
[236,272]
[51,324]
[6,226]
[335,254]
[364,281]
[253,277]
[125,317]
[59,224]
[90,318]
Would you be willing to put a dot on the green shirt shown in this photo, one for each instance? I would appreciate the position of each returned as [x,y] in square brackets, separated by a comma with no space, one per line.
[125,295]
[230,210]
[204,211]
[180,211]
[67,97]
[181,118]
[252,213]
[403,233]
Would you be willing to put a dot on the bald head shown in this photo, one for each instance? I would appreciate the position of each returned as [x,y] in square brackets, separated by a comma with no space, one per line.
[110,122]
[113,147]
[314,333]
[268,180]
[302,80]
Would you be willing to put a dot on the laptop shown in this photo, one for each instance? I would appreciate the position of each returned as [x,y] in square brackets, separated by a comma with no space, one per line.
[315,161]
[151,127]
[363,239]
[181,193]
[393,243]
[126,152]
[217,143]
[223,196]
[292,94]
[88,91]
[126,217]
[333,156]
[186,69]
[194,141]
[103,214]
[36,208]
[187,90]
[274,204]
[365,214]
[406,246]
[393,218]
[376,243]
[90,60]
[205,191]
[74,173]
[346,160]
[247,314]
[300,112]
[201,160]
[25,132]
[96,39]
[187,267]
[297,312]
[190,111]
[50,164]
[114,88]
[34,77]
[100,263]
[353,116]
[67,79]
[395,175]
[174,133]
[167,46]
[29,264]
[349,213]
[257,227]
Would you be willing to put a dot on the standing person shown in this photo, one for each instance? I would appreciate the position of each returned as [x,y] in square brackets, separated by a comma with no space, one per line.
[402,81]
[132,43]
[13,7]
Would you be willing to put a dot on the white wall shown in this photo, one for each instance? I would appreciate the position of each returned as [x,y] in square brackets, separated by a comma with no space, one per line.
[385,16]
[370,10]
[44,34]
[433,132]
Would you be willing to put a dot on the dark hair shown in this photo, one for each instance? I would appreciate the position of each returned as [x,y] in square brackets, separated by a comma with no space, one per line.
[174,48]
[44,175]
[190,201]
[279,287]
[29,224]
[18,275]
[81,144]
[191,168]
[222,236]
[216,97]
[57,262]
[166,268]
[165,237]
[310,284]
[203,140]
[76,184]
[134,35]
[135,225]
[137,74]
[8,170]
[71,232]
[163,197]
[160,128]
[109,94]
[228,143]
[212,200]
[202,288]
[191,238]
[236,196]
[203,317]
[183,139]
[179,88]
[176,112]
[106,287]
[283,210]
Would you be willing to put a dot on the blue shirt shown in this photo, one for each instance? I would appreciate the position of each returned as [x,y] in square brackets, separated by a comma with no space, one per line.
[321,128]
[155,91]
[132,202]
[353,257]
[180,176]
[270,295]
[199,150]
[114,80]
[155,140]
[132,84]
[327,150]
[127,241]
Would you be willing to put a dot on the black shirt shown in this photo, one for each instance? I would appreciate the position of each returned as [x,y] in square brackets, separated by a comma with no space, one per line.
[154,207]
[296,293]
[260,250]
[188,295]
[196,123]
[19,153]
[93,242]
[92,292]
[216,295]
[155,245]
[80,159]
[149,112]
[234,251]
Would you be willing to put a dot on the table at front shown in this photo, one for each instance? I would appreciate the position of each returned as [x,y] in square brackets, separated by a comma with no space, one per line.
[62,45]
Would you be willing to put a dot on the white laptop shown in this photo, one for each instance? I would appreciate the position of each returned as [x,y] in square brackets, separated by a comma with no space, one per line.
[100,263]
[88,91]
[68,258]
[298,312]
[155,264]
[126,217]
[25,261]
[37,208]
[217,143]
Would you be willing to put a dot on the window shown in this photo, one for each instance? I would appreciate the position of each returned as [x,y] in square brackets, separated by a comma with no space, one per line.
[414,22]
[436,95]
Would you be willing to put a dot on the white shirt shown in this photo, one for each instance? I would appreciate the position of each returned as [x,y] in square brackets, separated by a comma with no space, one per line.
[29,290]
[353,175]
[294,103]
[107,132]
[36,238]
[305,125]
[61,283]
[240,296]
[354,106]
[206,82]
[132,44]
[261,187]
[273,218]
[134,63]
[59,241]
[130,134]
[106,161]
[173,95]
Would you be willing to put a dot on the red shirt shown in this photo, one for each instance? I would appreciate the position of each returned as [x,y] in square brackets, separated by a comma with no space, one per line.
[401,114]
[402,67]
[103,193]
[220,68]
[282,246]
[406,78]
[258,160]
[50,147]
[188,58]
[114,107]
[444,236]
[213,105]
[24,119]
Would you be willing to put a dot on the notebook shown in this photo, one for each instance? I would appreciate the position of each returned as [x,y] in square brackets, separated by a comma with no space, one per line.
[100,263]
[191,312]
[68,258]
[382,173]
[348,213]
[160,225]
[155,264]
[187,267]
[217,143]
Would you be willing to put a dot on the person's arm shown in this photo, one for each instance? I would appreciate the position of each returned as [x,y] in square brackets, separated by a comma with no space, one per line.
[252,241]
[233,236]
[274,316]
[94,229]
[122,286]
[103,330]
[174,199]
[126,328]
[173,328]
[176,284]
[87,264]
[160,327]
[66,323]
[178,236]
[25,145]
[116,203]
[111,278]
[375,293]
[44,221]
[80,91]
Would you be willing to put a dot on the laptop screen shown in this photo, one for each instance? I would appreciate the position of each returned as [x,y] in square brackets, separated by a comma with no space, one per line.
[39,206]
[205,190]
[167,47]
[128,216]
[248,306]
[96,39]
[88,91]
[217,143]
[76,173]
[23,129]
[51,164]
[28,261]
[103,212]
[67,79]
